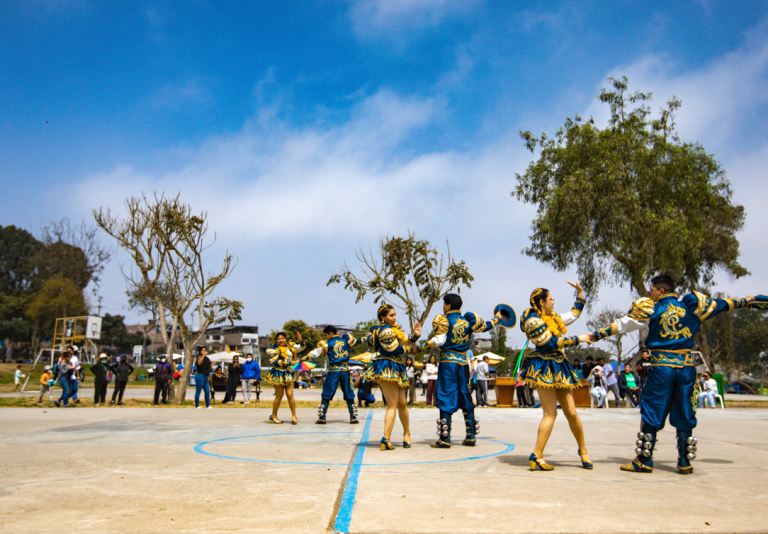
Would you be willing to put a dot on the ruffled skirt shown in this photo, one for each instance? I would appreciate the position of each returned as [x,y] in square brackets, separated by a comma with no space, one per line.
[544,372]
[387,371]
[278,377]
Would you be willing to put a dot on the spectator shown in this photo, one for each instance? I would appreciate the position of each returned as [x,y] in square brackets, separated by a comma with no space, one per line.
[46,381]
[100,371]
[64,379]
[597,386]
[219,383]
[432,381]
[17,376]
[577,368]
[611,382]
[364,391]
[163,378]
[234,376]
[74,380]
[122,371]
[201,377]
[303,384]
[629,384]
[251,374]
[586,367]
[410,372]
[522,397]
[424,378]
[710,390]
[643,366]
[482,371]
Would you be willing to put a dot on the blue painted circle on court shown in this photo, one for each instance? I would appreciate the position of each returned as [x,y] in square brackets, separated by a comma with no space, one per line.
[200,448]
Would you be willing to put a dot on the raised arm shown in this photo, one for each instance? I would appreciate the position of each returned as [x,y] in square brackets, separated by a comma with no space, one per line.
[706,307]
[321,350]
[539,333]
[440,329]
[478,325]
[637,318]
[578,306]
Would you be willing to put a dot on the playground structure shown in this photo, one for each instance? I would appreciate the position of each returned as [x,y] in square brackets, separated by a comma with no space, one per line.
[78,331]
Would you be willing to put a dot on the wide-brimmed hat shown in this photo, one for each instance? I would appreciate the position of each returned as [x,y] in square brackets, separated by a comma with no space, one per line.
[508,315]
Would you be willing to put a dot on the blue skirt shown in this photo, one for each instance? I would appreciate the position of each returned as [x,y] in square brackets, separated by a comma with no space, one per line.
[278,377]
[387,371]
[549,372]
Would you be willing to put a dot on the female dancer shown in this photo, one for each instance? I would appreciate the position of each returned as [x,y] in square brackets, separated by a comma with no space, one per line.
[388,369]
[283,357]
[549,371]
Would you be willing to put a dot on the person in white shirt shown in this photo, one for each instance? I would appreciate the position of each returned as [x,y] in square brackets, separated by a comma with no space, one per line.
[432,381]
[482,372]
[74,364]
[710,390]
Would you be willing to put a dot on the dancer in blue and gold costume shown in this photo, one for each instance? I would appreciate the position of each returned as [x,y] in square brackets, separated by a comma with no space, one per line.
[388,369]
[453,335]
[549,370]
[283,357]
[672,324]
[337,348]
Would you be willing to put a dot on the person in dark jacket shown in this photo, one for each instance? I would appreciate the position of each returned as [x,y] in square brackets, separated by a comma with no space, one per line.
[629,384]
[122,371]
[163,378]
[234,375]
[100,381]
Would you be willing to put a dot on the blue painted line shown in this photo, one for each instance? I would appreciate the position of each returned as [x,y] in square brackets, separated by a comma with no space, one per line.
[344,517]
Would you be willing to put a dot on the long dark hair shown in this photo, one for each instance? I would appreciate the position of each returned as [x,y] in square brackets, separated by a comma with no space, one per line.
[430,359]
[408,359]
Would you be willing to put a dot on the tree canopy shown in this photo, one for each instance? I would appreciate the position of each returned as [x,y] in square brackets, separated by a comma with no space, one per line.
[408,273]
[630,200]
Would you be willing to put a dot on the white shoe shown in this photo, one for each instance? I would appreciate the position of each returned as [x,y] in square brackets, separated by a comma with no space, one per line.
[210,407]
[198,407]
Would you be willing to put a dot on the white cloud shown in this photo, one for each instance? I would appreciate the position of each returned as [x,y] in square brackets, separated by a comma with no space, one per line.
[399,18]
[718,98]
[294,203]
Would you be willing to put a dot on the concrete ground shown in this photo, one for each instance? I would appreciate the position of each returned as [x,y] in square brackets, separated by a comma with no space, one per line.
[154,469]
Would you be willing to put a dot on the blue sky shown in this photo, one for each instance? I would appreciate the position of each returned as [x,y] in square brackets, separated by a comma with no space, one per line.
[307,129]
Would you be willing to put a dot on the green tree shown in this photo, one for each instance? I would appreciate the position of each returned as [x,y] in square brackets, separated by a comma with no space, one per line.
[409,273]
[59,297]
[18,282]
[71,251]
[115,334]
[630,200]
[361,330]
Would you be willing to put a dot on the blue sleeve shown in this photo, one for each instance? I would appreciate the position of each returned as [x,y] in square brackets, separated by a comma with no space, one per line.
[705,307]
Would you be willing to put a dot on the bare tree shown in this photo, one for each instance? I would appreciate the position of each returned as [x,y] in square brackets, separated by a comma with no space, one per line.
[166,242]
[410,270]
[81,236]
[602,320]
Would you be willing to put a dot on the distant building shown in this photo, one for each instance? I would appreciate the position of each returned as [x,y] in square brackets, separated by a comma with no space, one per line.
[241,338]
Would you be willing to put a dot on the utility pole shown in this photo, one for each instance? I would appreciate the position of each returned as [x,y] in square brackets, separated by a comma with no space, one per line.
[99,314]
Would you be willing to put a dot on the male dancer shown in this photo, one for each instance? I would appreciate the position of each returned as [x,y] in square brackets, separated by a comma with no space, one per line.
[337,348]
[672,325]
[453,334]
